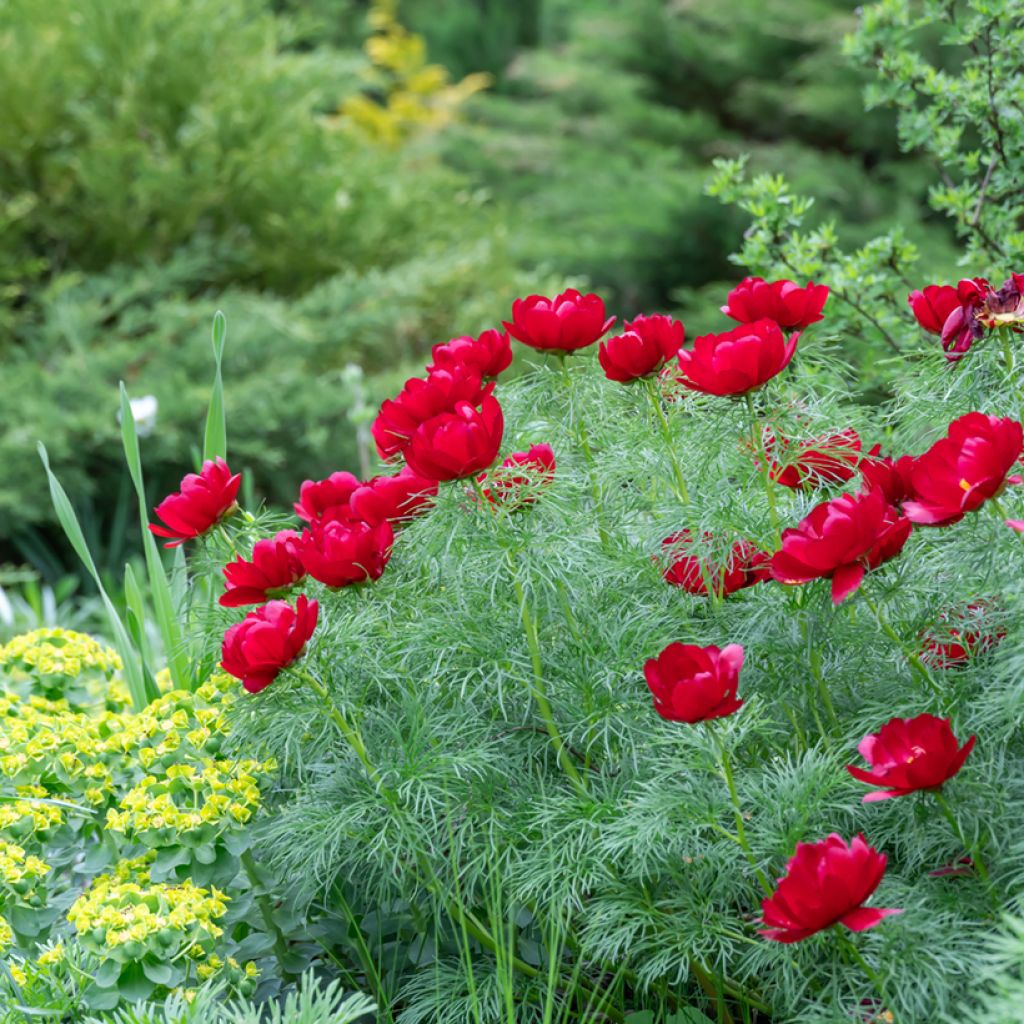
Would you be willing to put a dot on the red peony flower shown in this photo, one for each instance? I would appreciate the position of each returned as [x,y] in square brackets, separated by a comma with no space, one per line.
[890,476]
[693,684]
[841,540]
[340,552]
[517,481]
[962,326]
[318,498]
[567,322]
[956,642]
[736,361]
[489,354]
[394,499]
[422,399]
[960,472]
[821,460]
[825,883]
[204,500]
[744,566]
[1004,307]
[268,640]
[642,349]
[457,444]
[275,566]
[909,754]
[932,305]
[789,305]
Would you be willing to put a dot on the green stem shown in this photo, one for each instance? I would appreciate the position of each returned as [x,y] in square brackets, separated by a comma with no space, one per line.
[915,661]
[737,810]
[538,688]
[651,386]
[266,912]
[757,433]
[872,975]
[971,848]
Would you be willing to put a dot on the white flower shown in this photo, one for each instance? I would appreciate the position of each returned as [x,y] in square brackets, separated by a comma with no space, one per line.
[144,412]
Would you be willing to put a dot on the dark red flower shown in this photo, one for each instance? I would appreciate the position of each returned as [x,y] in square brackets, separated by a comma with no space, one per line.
[932,305]
[420,400]
[518,480]
[340,552]
[1004,307]
[204,500]
[744,566]
[841,540]
[962,326]
[821,460]
[785,302]
[268,640]
[489,354]
[457,444]
[394,499]
[736,361]
[825,883]
[693,684]
[318,498]
[275,566]
[959,637]
[960,472]
[567,322]
[909,754]
[890,476]
[642,348]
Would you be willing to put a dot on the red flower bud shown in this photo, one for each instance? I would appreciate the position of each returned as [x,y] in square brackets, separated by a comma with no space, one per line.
[841,540]
[744,566]
[489,354]
[343,551]
[204,500]
[960,472]
[457,444]
[317,498]
[693,684]
[393,499]
[276,565]
[518,480]
[567,322]
[736,361]
[825,883]
[642,349]
[267,640]
[789,305]
[909,754]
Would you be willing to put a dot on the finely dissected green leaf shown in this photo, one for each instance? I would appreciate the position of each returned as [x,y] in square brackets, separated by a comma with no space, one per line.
[215,441]
[164,605]
[141,692]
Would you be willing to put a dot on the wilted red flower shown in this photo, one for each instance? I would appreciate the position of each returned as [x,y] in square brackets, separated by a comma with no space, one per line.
[567,322]
[275,566]
[693,684]
[1004,307]
[908,754]
[268,640]
[825,883]
[932,305]
[204,500]
[890,476]
[318,498]
[821,460]
[515,483]
[840,540]
[489,354]
[420,400]
[393,499]
[458,443]
[736,361]
[642,348]
[960,472]
[961,636]
[343,551]
[744,566]
[785,302]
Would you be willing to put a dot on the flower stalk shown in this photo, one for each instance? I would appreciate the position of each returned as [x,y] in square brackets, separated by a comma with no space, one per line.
[757,437]
[651,386]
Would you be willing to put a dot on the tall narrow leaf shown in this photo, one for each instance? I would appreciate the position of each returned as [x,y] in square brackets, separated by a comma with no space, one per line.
[164,606]
[141,692]
[215,442]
